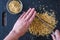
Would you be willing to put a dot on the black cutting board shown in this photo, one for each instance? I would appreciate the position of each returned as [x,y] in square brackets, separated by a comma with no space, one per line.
[11,19]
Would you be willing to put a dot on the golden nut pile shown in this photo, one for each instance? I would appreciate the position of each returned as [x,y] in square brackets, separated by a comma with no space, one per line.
[14,7]
[38,28]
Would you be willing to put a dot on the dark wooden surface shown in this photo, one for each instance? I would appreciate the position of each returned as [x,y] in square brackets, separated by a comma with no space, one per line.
[11,19]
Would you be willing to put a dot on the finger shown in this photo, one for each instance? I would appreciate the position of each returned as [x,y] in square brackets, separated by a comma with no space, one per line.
[27,12]
[53,37]
[30,14]
[22,15]
[57,33]
[31,19]
[33,16]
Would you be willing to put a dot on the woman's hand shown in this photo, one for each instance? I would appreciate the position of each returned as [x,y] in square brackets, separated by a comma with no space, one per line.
[56,35]
[22,24]
[24,21]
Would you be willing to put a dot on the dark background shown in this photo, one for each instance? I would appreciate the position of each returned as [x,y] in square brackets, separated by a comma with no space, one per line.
[11,19]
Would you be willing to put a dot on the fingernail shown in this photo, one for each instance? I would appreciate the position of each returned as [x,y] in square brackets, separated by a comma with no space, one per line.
[57,30]
[29,8]
[33,8]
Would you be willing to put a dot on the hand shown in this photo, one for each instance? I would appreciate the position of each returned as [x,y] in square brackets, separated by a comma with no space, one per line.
[21,25]
[24,21]
[56,35]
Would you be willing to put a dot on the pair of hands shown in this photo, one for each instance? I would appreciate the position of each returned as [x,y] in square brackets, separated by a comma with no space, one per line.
[22,24]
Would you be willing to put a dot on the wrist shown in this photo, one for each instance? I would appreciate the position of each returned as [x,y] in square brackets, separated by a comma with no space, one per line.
[15,34]
[12,36]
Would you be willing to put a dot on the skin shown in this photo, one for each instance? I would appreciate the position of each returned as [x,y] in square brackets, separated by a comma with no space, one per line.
[22,24]
[56,35]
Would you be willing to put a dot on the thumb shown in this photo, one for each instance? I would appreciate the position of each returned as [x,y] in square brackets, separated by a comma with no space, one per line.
[53,37]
